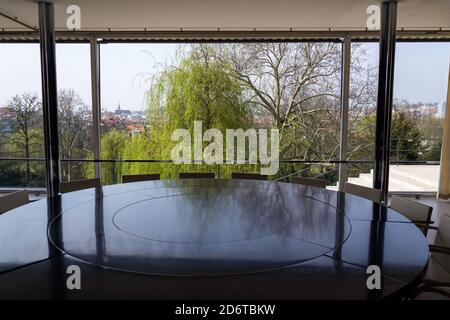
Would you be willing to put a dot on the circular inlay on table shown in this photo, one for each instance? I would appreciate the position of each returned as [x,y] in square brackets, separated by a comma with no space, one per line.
[202,228]
[199,219]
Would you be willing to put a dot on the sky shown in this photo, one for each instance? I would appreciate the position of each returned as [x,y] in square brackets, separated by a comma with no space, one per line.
[421,70]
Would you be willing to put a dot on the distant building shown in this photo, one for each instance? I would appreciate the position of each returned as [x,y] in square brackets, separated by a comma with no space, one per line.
[123,113]
[421,109]
[138,116]
[5,120]
[429,109]
[4,111]
[126,120]
[442,107]
[134,129]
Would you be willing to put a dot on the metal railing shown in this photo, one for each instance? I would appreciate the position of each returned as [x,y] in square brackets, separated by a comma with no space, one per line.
[313,164]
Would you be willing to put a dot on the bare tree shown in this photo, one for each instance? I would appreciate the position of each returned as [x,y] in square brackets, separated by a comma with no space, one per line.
[24,111]
[74,127]
[284,76]
[298,86]
[363,98]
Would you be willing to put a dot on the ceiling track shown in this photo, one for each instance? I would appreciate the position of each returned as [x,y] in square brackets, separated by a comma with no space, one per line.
[225,35]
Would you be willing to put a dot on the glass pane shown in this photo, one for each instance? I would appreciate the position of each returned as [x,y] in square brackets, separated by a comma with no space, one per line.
[126,73]
[362,112]
[149,90]
[363,100]
[75,110]
[421,76]
[21,173]
[21,133]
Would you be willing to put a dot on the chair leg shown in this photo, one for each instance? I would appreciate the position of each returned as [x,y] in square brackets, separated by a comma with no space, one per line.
[428,288]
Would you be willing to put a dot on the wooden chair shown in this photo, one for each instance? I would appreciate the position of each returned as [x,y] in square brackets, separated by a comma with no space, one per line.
[371,194]
[248,176]
[418,213]
[126,178]
[197,175]
[312,182]
[13,200]
[436,282]
[79,185]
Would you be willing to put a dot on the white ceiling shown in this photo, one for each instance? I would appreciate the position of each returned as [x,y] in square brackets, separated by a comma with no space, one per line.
[227,14]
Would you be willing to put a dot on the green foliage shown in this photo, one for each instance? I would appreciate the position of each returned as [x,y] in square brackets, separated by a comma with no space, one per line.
[198,89]
[433,153]
[15,144]
[13,173]
[30,173]
[113,144]
[406,137]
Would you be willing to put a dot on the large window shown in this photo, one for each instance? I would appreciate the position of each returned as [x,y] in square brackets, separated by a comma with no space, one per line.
[362,112]
[75,111]
[127,70]
[363,100]
[420,87]
[21,123]
[148,90]
[21,133]
[421,75]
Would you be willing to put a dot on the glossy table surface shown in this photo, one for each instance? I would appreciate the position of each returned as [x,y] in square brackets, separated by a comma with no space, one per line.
[200,238]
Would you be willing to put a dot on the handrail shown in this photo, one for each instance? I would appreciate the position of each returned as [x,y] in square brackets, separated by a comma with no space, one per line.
[296,172]
[323,173]
[406,162]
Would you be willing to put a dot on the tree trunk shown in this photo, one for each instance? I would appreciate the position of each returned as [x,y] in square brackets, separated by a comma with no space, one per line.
[27,162]
[68,166]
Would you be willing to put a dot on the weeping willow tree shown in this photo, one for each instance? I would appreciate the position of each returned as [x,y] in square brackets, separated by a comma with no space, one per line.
[113,146]
[199,88]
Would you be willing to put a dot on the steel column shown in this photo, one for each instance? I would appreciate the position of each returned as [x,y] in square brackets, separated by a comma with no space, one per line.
[49,97]
[385,90]
[96,108]
[345,93]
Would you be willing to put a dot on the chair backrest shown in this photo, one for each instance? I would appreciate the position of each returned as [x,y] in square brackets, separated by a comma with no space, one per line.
[197,175]
[76,185]
[139,177]
[443,234]
[248,176]
[318,183]
[13,200]
[414,211]
[371,194]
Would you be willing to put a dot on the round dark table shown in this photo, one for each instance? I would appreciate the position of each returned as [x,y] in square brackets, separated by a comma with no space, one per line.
[201,238]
